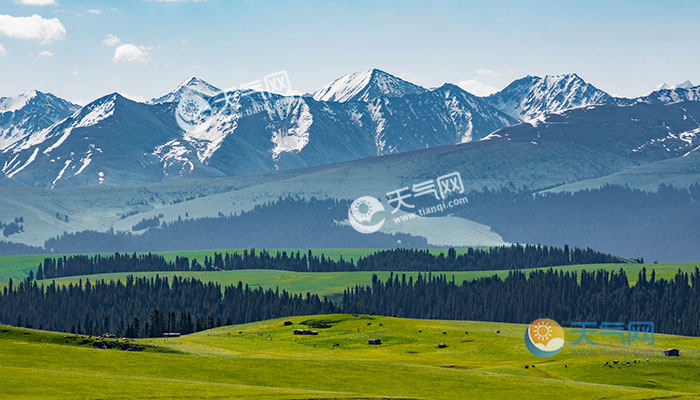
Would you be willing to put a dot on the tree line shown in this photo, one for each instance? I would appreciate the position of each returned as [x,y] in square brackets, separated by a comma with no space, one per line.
[148,307]
[505,257]
[602,296]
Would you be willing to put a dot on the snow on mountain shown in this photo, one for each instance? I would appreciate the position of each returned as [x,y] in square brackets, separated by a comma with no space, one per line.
[365,86]
[190,85]
[115,141]
[255,132]
[472,116]
[682,92]
[682,85]
[109,139]
[29,113]
[532,97]
[12,104]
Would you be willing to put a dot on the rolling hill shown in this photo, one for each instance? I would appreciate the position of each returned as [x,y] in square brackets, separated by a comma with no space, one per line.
[264,360]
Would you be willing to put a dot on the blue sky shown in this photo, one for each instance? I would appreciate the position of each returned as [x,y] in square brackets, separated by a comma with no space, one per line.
[624,47]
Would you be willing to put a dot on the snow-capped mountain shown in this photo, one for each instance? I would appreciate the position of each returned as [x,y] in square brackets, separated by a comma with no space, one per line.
[109,139]
[114,140]
[28,113]
[192,85]
[273,132]
[117,141]
[532,97]
[366,86]
[672,95]
[682,85]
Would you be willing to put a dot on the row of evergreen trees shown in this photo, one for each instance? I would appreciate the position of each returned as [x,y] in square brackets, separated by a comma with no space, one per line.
[602,296]
[147,307]
[56,267]
[505,257]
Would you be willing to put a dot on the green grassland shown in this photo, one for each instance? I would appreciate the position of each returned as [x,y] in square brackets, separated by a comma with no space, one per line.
[264,360]
[328,283]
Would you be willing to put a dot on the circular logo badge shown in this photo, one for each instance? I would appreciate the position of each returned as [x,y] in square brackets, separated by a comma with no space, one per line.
[196,114]
[193,113]
[544,337]
[361,212]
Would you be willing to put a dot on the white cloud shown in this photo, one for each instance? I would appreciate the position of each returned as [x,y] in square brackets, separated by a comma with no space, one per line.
[111,40]
[36,2]
[131,53]
[3,52]
[475,87]
[45,54]
[34,27]
[94,11]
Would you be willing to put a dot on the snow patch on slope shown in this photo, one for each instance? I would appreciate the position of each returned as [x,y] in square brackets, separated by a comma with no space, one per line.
[29,161]
[174,152]
[98,113]
[297,137]
[60,174]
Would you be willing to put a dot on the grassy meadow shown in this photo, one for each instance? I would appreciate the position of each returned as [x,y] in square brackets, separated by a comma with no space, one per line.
[263,360]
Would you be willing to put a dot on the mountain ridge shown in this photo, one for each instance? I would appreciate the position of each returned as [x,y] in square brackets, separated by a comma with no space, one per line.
[116,141]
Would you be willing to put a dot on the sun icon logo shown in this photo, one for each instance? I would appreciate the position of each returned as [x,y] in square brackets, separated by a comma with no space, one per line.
[361,212]
[543,330]
[194,113]
[544,337]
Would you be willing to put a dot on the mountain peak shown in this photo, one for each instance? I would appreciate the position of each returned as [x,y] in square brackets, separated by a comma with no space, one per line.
[532,97]
[683,85]
[29,113]
[562,77]
[36,98]
[192,84]
[194,81]
[366,86]
[12,104]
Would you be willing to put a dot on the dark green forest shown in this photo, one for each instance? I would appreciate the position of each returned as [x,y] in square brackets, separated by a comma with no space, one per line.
[672,305]
[504,257]
[146,307]
[149,307]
